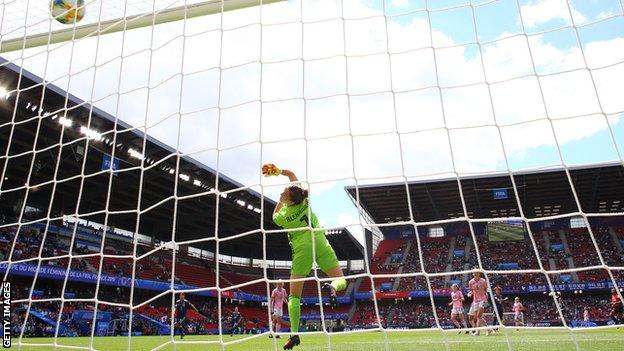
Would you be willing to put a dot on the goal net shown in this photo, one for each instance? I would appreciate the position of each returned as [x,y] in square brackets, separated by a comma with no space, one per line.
[438,140]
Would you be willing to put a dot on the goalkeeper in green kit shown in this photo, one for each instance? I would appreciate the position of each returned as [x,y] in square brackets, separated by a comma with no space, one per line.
[293,212]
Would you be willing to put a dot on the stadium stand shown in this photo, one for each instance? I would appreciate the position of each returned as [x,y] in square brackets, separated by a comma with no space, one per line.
[395,313]
[381,262]
[416,313]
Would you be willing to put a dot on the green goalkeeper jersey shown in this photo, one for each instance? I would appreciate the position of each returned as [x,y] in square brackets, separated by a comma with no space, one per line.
[296,216]
[299,216]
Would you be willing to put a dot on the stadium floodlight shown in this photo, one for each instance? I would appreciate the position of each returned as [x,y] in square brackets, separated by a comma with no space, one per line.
[90,133]
[136,154]
[65,122]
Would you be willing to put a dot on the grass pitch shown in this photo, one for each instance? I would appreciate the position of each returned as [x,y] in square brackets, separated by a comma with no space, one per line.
[509,339]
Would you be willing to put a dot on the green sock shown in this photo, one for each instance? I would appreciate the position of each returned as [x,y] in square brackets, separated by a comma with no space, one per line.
[294,312]
[339,284]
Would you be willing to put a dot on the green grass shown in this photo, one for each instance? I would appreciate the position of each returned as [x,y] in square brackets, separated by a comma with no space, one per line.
[524,340]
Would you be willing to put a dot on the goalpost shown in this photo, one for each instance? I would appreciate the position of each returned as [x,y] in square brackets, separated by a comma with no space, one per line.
[131,18]
[400,76]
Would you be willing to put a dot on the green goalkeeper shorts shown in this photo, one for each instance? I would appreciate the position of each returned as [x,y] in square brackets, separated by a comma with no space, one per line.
[301,246]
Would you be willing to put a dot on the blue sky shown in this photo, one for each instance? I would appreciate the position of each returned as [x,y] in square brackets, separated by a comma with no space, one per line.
[502,19]
[366,104]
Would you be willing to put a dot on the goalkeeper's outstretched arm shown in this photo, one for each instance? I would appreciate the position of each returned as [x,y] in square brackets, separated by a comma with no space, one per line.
[291,176]
[272,170]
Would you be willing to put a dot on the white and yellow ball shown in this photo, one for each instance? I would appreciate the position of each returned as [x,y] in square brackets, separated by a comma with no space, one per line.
[67,11]
[270,169]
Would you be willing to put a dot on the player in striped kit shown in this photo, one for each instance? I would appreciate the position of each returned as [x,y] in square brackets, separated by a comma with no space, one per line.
[279,297]
[478,291]
[457,303]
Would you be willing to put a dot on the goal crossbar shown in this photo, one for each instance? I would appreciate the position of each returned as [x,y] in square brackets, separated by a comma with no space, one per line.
[130,22]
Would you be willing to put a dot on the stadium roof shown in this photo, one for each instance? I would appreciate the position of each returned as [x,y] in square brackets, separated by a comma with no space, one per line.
[37,124]
[600,189]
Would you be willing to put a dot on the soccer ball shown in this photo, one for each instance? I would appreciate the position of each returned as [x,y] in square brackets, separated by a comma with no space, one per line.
[270,169]
[67,11]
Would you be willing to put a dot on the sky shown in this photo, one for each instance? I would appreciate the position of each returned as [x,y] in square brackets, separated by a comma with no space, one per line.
[359,92]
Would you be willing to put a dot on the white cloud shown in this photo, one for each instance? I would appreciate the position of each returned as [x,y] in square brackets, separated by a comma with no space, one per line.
[455,67]
[372,114]
[574,129]
[408,36]
[516,142]
[365,36]
[569,94]
[467,106]
[482,141]
[323,39]
[539,12]
[400,3]
[517,101]
[604,53]
[368,74]
[507,59]
[610,98]
[604,14]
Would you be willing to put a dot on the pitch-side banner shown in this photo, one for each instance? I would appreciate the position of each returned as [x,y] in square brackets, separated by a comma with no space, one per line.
[58,273]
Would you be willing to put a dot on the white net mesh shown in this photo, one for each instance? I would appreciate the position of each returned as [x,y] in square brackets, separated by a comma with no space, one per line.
[30,18]
[364,94]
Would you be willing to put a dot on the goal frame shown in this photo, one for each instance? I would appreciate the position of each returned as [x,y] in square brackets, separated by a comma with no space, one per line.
[178,13]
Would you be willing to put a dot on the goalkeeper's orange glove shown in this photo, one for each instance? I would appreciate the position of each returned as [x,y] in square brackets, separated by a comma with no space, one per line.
[270,169]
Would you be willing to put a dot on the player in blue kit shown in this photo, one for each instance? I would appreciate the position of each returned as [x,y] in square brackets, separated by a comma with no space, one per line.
[236,319]
[181,307]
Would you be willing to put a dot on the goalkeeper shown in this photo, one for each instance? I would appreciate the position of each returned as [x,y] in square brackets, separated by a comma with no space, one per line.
[293,212]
